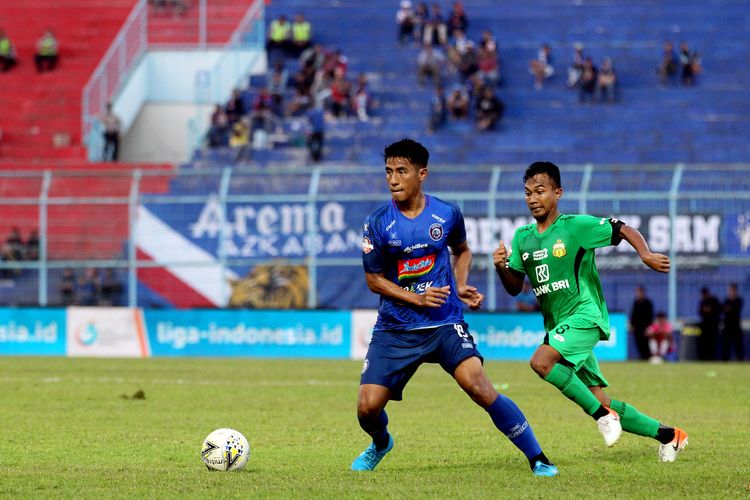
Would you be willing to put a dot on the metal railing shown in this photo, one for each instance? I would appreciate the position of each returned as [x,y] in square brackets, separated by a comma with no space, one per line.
[704,210]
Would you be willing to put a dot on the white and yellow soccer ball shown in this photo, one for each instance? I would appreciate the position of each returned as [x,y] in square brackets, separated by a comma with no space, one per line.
[225,450]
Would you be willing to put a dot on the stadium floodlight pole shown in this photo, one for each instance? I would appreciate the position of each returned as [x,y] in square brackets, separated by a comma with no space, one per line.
[672,279]
[43,236]
[491,215]
[132,256]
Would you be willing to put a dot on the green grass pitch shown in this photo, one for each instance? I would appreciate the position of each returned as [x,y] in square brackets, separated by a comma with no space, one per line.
[67,431]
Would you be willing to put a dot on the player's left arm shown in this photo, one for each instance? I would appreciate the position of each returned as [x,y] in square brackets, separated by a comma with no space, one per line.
[468,294]
[656,261]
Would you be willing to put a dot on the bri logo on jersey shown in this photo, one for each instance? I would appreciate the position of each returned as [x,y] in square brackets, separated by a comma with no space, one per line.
[415,268]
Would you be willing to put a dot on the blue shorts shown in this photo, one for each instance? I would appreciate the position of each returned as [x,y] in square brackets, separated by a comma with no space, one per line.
[394,356]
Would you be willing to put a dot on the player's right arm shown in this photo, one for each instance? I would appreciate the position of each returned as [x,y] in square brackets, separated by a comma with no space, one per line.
[512,280]
[432,296]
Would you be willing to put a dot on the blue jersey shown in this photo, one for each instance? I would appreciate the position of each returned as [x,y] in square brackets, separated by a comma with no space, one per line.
[414,254]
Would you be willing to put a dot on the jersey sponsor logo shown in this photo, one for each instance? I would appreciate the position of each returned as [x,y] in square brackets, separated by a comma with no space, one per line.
[540,254]
[558,249]
[414,268]
[542,273]
[525,256]
[436,232]
[416,246]
[389,226]
[551,287]
[439,219]
[418,288]
[366,228]
[367,246]
[394,243]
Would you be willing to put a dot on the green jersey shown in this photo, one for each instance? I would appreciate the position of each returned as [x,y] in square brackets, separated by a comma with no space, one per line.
[561,267]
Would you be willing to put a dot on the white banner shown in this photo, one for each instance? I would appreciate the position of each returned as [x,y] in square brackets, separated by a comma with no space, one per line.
[115,332]
[362,323]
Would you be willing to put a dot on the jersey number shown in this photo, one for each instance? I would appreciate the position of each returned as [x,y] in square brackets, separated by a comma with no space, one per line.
[460,331]
[559,331]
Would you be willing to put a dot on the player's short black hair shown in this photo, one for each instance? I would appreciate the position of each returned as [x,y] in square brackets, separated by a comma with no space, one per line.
[408,149]
[543,167]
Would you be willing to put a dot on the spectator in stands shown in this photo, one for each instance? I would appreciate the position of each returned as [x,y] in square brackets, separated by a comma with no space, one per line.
[659,334]
[489,109]
[314,57]
[7,254]
[405,21]
[438,110]
[542,67]
[112,126]
[47,52]
[362,100]
[218,134]
[606,81]
[435,29]
[90,287]
[462,56]
[488,66]
[458,104]
[111,290]
[576,66]
[239,139]
[421,17]
[7,52]
[488,41]
[709,311]
[732,335]
[15,243]
[32,245]
[316,136]
[235,107]
[587,83]
[301,35]
[690,63]
[300,103]
[341,94]
[668,65]
[261,119]
[457,19]
[68,287]
[526,300]
[277,87]
[279,38]
[430,62]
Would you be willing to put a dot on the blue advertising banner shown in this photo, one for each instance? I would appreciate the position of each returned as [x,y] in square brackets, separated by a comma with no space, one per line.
[245,333]
[32,332]
[516,336]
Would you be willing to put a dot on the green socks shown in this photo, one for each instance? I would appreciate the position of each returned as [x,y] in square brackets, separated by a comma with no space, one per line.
[634,421]
[565,379]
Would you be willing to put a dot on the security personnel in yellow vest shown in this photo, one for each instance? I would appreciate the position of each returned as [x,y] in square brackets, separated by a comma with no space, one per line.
[301,34]
[7,53]
[279,35]
[46,52]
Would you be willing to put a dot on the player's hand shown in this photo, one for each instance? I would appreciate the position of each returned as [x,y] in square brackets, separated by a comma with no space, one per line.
[434,296]
[470,296]
[657,262]
[500,257]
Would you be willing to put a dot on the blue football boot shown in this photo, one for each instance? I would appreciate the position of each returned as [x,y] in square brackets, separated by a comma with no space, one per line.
[371,457]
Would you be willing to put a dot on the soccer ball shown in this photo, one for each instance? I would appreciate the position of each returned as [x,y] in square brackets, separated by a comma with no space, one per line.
[225,450]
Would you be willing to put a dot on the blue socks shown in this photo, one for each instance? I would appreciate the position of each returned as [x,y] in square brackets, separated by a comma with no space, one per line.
[377,428]
[509,419]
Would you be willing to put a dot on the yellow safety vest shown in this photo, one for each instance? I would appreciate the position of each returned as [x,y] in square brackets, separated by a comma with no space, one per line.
[279,32]
[48,47]
[4,47]
[301,31]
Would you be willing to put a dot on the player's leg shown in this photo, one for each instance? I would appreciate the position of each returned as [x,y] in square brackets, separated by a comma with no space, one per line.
[459,357]
[557,361]
[371,414]
[672,440]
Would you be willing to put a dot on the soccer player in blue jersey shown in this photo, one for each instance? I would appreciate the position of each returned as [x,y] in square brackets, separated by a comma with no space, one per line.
[406,252]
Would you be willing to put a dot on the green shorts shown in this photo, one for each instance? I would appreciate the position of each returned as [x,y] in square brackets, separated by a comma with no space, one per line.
[575,339]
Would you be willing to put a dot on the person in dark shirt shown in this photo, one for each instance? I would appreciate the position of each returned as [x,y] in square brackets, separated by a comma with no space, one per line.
[641,316]
[732,335]
[709,310]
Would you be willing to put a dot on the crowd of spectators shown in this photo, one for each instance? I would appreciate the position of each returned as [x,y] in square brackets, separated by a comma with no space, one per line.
[450,59]
[16,249]
[92,288]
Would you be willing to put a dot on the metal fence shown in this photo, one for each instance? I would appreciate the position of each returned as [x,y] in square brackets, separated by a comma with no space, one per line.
[212,225]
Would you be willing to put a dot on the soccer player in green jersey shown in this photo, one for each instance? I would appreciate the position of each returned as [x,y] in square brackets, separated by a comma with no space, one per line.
[557,254]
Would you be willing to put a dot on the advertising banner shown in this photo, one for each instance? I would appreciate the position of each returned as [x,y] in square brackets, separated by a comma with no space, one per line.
[511,336]
[32,332]
[112,332]
[246,333]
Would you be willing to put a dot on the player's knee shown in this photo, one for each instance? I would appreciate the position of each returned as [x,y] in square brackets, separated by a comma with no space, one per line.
[367,407]
[541,366]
